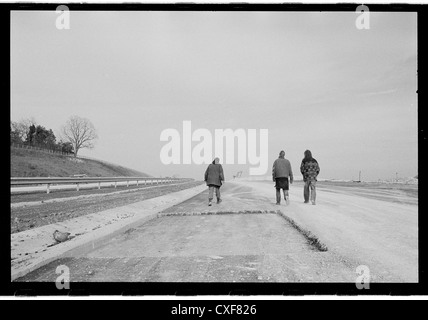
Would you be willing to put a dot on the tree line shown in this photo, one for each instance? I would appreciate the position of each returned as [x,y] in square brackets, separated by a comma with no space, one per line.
[76,134]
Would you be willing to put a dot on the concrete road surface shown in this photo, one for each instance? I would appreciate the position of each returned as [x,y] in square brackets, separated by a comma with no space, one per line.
[243,240]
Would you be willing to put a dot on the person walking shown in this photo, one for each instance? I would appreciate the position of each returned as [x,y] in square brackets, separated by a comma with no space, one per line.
[214,177]
[310,170]
[281,171]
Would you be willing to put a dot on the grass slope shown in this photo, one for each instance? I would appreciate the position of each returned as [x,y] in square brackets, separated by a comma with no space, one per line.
[33,163]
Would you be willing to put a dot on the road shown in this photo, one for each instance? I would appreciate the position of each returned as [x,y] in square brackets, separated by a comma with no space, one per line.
[244,240]
[34,210]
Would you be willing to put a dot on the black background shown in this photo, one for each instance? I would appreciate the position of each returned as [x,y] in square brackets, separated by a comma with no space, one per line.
[238,290]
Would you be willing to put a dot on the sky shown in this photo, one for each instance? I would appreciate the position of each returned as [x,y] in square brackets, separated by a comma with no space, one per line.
[313,79]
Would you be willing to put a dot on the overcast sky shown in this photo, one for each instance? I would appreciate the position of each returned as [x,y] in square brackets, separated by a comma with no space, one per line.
[313,80]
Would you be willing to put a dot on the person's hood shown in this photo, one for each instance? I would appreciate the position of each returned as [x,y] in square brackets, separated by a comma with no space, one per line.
[308,155]
[216,161]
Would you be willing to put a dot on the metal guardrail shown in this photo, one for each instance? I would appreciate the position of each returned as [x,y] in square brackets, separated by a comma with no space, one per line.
[84,180]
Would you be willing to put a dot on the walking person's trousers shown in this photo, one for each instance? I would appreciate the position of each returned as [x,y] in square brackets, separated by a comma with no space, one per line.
[211,192]
[309,190]
[278,195]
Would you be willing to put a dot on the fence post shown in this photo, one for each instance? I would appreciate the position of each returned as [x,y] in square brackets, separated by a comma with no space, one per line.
[77,187]
[137,183]
[48,188]
[99,185]
[127,183]
[115,184]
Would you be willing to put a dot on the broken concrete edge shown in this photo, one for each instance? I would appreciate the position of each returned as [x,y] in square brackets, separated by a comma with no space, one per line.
[91,240]
[310,237]
[201,213]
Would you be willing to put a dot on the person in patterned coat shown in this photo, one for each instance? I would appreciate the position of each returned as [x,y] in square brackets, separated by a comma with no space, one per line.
[310,170]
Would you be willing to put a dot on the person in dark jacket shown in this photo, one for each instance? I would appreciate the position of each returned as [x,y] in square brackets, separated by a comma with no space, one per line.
[214,177]
[281,171]
[310,170]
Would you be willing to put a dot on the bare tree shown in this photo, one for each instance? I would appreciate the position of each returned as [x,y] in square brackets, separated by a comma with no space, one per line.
[80,132]
[22,127]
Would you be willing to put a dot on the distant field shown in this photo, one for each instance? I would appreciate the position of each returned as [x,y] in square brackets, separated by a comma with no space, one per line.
[391,192]
[33,163]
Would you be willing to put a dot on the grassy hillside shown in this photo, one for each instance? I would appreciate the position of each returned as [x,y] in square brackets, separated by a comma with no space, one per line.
[33,163]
